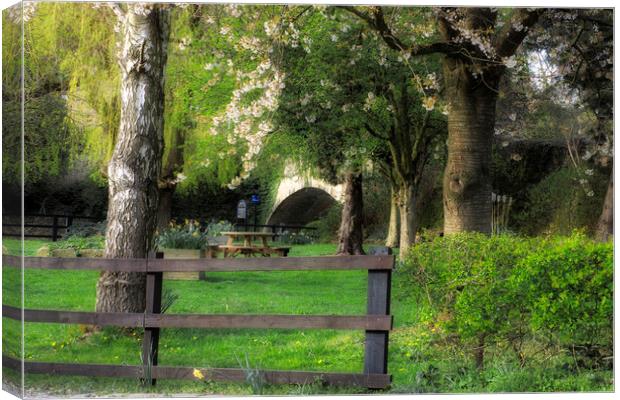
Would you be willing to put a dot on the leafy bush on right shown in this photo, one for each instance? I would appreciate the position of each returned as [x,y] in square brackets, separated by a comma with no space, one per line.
[478,293]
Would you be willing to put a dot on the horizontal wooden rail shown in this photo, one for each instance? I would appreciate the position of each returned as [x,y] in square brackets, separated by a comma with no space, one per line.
[206,264]
[377,322]
[51,216]
[375,381]
[218,321]
[36,226]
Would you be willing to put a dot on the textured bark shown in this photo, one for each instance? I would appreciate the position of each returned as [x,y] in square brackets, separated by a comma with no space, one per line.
[605,226]
[393,234]
[408,221]
[350,235]
[135,165]
[467,178]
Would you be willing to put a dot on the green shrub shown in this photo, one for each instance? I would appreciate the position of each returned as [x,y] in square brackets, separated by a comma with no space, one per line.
[568,286]
[183,236]
[302,237]
[87,228]
[215,229]
[327,226]
[79,243]
[565,200]
[475,290]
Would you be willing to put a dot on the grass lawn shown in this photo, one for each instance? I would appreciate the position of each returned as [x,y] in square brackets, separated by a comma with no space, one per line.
[304,292]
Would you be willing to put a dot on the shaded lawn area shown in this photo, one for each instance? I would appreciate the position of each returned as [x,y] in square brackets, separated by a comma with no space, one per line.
[304,292]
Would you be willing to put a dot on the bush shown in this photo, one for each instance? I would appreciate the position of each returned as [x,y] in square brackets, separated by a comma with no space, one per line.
[79,243]
[87,228]
[215,229]
[568,286]
[476,290]
[327,226]
[565,200]
[302,237]
[183,236]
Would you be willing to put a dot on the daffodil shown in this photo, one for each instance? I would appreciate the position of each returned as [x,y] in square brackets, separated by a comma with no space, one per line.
[197,374]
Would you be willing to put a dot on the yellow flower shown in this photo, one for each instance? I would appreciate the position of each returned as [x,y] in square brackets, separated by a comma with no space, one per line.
[429,103]
[195,234]
[198,374]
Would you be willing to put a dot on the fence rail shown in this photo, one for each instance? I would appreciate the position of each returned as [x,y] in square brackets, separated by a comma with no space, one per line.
[55,226]
[376,323]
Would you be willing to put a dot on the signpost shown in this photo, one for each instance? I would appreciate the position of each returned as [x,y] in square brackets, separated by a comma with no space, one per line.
[255,200]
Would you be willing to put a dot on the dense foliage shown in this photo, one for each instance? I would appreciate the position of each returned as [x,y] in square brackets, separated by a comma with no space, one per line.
[528,295]
[187,235]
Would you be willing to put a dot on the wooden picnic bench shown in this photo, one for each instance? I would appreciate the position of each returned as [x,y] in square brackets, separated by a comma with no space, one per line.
[249,249]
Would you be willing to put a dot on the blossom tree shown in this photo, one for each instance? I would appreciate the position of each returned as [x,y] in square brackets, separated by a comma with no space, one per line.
[348,94]
[477,45]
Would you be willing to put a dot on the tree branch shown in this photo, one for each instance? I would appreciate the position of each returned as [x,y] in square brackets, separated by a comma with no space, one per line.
[377,22]
[374,133]
[508,40]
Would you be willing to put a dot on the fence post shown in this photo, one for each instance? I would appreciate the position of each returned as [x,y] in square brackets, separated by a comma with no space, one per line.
[376,343]
[150,343]
[55,229]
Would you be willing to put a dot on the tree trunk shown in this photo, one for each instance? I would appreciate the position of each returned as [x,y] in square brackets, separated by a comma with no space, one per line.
[467,178]
[392,236]
[408,226]
[135,165]
[164,210]
[350,235]
[605,227]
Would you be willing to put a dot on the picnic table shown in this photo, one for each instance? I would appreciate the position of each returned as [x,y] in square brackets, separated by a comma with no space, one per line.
[248,248]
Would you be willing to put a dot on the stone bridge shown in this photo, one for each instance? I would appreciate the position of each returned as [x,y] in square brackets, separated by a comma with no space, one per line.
[302,198]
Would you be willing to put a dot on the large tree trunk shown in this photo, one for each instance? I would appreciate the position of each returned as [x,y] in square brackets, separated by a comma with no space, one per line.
[135,165]
[408,225]
[392,236]
[350,235]
[467,178]
[605,227]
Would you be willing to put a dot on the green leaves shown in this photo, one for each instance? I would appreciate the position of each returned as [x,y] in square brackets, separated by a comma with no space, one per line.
[507,288]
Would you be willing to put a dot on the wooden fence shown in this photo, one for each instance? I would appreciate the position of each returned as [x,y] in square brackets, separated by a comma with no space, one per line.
[376,323]
[53,230]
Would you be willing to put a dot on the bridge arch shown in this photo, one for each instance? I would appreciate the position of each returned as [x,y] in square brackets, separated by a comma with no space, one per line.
[302,199]
[302,207]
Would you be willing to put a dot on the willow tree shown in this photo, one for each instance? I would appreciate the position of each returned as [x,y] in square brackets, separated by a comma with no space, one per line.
[135,165]
[477,44]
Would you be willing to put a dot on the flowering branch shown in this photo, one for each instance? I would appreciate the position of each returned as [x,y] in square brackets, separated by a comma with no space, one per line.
[377,22]
[509,39]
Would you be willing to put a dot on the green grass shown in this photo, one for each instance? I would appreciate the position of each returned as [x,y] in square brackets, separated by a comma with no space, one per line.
[304,292]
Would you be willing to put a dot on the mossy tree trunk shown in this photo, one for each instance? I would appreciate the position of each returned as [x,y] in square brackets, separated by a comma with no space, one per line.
[135,165]
[351,233]
[393,227]
[408,220]
[467,178]
[605,226]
